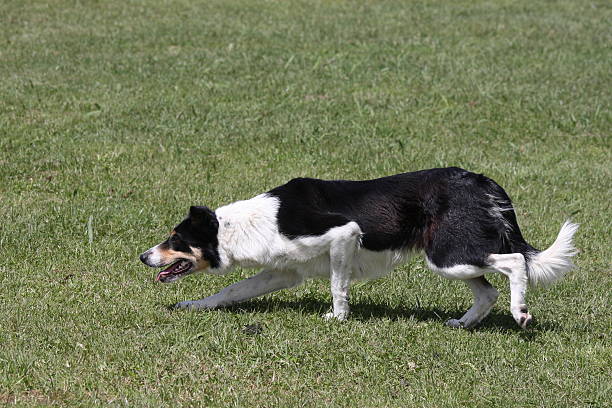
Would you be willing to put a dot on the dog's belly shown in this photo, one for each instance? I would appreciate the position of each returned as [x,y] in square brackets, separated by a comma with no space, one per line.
[376,264]
[366,265]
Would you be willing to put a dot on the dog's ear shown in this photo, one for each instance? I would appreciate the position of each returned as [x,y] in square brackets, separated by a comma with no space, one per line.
[203,217]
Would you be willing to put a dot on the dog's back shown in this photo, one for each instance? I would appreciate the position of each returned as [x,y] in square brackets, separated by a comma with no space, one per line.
[419,210]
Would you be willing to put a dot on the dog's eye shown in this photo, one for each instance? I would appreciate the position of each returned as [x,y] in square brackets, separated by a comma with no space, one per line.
[174,239]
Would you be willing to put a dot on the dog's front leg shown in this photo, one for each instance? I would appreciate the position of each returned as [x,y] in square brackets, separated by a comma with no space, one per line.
[266,281]
[342,251]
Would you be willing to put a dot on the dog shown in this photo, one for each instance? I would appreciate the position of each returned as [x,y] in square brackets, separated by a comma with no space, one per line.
[464,224]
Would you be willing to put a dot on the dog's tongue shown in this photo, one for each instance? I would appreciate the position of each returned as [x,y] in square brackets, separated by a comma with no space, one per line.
[168,271]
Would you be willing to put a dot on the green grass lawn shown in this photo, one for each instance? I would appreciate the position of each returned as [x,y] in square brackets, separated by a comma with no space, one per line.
[116,116]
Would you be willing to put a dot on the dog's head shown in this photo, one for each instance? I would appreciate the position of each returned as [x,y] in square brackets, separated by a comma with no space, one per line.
[191,247]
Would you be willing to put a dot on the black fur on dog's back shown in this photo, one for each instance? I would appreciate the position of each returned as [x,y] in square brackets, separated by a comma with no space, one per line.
[455,216]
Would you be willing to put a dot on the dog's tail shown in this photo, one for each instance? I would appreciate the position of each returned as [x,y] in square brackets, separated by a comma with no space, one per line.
[548,266]
[543,267]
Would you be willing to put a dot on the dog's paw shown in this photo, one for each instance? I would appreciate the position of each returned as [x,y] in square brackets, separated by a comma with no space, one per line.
[342,316]
[194,305]
[202,304]
[522,316]
[187,304]
[524,320]
[454,323]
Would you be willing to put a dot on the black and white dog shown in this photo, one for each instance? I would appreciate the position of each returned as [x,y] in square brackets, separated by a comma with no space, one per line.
[348,230]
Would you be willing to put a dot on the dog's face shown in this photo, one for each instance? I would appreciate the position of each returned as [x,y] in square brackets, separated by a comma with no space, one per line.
[191,247]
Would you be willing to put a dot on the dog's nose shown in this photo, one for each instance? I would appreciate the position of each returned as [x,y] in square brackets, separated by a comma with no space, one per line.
[143,258]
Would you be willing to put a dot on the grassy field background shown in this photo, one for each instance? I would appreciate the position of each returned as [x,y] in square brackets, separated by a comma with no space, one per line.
[116,116]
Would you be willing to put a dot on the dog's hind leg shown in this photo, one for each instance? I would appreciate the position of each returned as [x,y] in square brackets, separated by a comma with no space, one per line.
[341,253]
[266,281]
[485,297]
[515,268]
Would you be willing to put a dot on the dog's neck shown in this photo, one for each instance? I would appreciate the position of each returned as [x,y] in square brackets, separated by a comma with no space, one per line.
[247,232]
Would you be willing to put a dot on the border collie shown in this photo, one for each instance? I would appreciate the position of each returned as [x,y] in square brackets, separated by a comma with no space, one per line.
[341,230]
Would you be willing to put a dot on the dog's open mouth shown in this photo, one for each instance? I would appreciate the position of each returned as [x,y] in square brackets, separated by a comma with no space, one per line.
[174,271]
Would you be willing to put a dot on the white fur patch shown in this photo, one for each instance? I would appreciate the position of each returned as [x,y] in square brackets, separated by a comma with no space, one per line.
[499,207]
[553,263]
[456,271]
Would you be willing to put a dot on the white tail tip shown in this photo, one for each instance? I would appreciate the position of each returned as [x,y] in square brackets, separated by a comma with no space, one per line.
[550,265]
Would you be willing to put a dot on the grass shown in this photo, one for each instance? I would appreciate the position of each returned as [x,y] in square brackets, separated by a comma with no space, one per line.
[115,116]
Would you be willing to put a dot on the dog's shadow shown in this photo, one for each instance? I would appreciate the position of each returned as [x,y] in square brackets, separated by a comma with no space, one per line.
[364,311]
